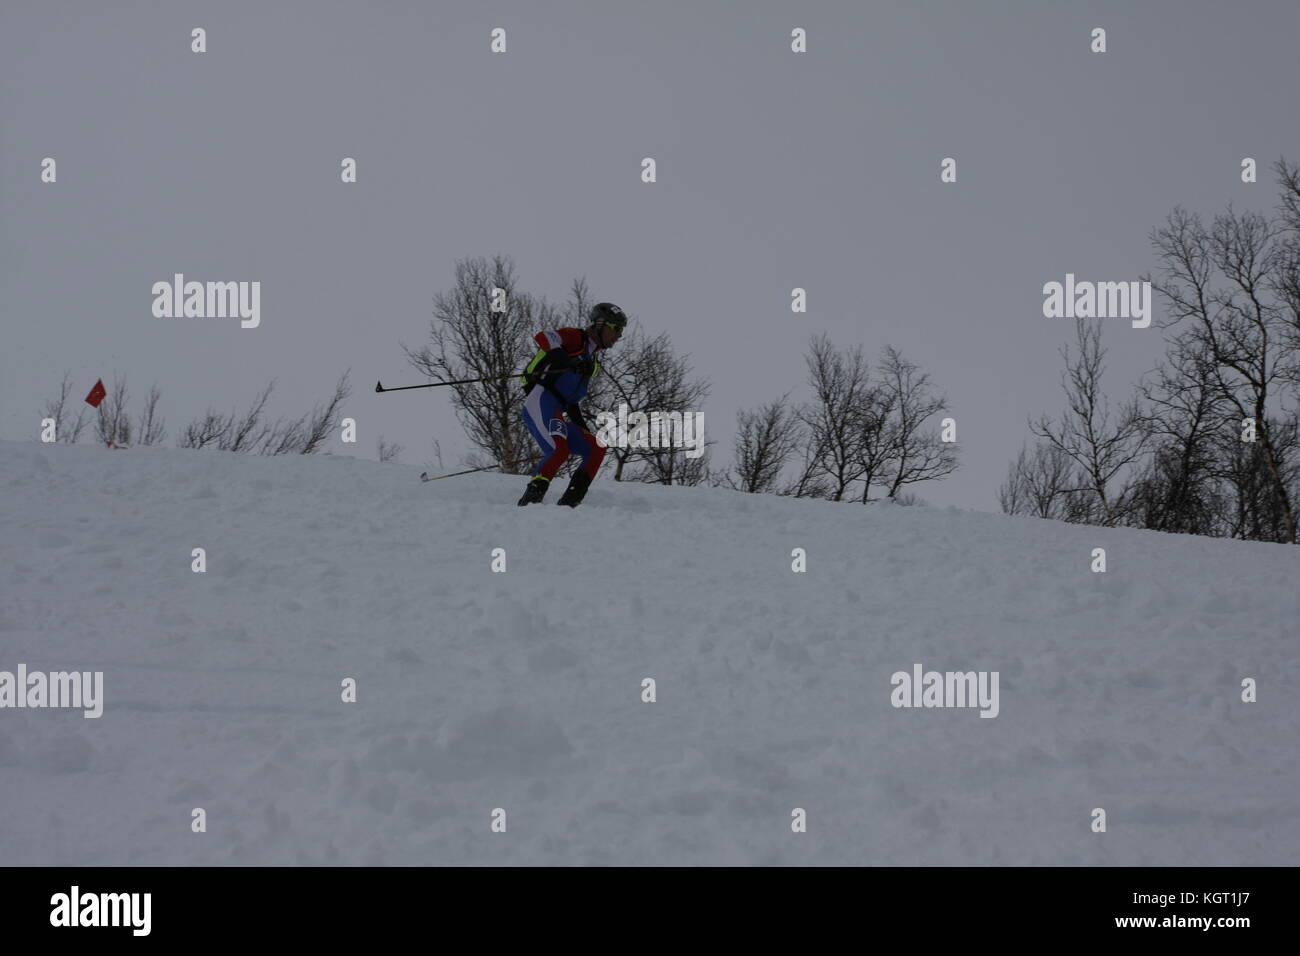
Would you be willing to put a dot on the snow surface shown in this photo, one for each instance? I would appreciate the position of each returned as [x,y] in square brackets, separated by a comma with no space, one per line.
[522,690]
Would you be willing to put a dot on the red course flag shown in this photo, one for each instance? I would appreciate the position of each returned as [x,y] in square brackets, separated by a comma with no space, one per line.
[96,394]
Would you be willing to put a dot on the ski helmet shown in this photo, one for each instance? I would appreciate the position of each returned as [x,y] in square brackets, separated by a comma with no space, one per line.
[607,313]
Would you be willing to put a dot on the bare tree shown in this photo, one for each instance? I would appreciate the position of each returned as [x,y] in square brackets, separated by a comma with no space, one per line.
[1229,287]
[469,340]
[1101,445]
[671,466]
[876,438]
[388,451]
[230,432]
[1253,508]
[113,426]
[765,441]
[1045,484]
[810,481]
[872,433]
[250,433]
[1286,279]
[912,453]
[1013,493]
[203,432]
[66,429]
[324,418]
[648,376]
[1184,421]
[1232,324]
[152,428]
[577,310]
[834,419]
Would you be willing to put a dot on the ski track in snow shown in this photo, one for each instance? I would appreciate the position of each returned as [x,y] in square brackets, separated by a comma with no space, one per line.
[523,690]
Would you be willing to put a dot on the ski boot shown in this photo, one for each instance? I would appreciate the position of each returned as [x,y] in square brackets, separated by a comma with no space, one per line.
[535,491]
[577,489]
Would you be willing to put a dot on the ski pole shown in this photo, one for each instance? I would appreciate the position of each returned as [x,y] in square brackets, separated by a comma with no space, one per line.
[379,386]
[427,477]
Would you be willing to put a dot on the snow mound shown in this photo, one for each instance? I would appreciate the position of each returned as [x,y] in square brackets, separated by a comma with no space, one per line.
[524,691]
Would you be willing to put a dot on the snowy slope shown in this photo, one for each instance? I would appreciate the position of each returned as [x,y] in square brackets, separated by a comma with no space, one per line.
[522,690]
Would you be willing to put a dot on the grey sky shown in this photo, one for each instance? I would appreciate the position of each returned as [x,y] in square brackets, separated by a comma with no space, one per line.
[775,170]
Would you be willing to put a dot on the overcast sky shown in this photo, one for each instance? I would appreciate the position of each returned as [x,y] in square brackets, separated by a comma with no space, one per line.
[775,170]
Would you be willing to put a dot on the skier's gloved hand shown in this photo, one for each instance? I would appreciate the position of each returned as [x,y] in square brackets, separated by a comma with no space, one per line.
[560,360]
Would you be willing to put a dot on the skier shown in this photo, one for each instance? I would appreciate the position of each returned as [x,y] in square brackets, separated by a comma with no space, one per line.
[554,383]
